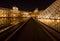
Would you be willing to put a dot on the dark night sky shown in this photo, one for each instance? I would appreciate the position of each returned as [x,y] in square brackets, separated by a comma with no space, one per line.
[26,5]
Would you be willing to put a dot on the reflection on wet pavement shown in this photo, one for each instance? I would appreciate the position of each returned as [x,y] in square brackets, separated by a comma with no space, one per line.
[12,21]
[55,24]
[6,23]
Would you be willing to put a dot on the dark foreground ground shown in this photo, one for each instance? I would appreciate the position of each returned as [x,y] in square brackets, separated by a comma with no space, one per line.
[31,31]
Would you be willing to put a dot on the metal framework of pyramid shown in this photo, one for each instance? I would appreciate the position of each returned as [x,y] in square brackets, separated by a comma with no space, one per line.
[53,11]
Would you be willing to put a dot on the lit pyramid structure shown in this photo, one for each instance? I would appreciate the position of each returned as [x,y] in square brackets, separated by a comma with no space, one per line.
[52,12]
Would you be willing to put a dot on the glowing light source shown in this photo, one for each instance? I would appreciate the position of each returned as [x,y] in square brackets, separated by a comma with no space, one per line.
[4,15]
[15,8]
[58,21]
[14,15]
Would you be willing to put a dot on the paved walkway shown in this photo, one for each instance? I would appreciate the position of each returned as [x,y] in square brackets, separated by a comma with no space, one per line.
[31,31]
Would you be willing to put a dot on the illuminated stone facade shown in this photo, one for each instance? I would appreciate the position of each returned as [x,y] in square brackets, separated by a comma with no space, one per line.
[14,12]
[4,12]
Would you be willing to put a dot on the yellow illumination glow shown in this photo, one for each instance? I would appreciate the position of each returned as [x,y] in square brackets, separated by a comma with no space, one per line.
[47,21]
[4,15]
[15,8]
[14,15]
[58,21]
